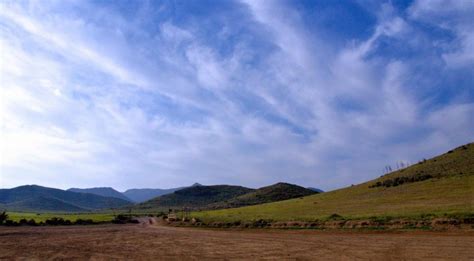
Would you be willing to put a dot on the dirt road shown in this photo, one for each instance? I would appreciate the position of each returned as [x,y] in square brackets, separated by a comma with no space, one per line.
[141,242]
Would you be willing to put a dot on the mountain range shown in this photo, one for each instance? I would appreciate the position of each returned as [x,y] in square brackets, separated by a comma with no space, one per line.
[104,191]
[43,199]
[38,198]
[142,195]
[225,196]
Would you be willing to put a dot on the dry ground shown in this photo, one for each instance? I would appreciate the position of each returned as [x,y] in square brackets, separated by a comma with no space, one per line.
[142,242]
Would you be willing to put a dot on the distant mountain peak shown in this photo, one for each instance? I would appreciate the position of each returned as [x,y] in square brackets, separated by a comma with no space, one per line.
[101,191]
[196,184]
[38,198]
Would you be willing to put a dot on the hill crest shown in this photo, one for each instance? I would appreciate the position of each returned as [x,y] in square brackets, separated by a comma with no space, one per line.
[38,198]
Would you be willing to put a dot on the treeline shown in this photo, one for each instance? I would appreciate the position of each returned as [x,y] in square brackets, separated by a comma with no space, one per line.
[54,221]
[400,181]
[58,221]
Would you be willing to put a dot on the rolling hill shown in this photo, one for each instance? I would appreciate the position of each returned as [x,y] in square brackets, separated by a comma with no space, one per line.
[37,198]
[277,192]
[225,196]
[438,186]
[142,195]
[105,192]
[196,197]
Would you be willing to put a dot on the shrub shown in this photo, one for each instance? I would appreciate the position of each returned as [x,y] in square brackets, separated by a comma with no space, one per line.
[80,221]
[9,222]
[31,222]
[259,223]
[3,217]
[401,180]
[124,219]
[335,217]
[55,221]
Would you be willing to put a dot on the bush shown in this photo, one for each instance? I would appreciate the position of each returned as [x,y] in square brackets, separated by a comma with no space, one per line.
[259,223]
[124,219]
[401,180]
[55,221]
[31,222]
[23,222]
[3,217]
[335,217]
[11,223]
[80,221]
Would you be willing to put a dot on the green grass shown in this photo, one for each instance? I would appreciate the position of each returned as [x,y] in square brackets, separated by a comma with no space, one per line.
[451,192]
[41,217]
[95,216]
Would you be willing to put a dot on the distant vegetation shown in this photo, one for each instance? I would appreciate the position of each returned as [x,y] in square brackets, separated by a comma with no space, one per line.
[196,196]
[6,220]
[42,217]
[447,189]
[225,196]
[3,217]
[65,219]
[393,182]
[273,193]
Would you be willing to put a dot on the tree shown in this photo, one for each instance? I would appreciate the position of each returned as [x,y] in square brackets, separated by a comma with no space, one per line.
[3,217]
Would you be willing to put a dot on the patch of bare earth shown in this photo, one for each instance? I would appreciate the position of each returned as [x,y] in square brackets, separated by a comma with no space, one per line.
[142,242]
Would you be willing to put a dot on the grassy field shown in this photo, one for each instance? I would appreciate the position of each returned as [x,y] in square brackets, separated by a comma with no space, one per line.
[41,217]
[450,191]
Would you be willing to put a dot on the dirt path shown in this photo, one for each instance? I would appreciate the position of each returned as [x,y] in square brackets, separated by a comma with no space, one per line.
[144,242]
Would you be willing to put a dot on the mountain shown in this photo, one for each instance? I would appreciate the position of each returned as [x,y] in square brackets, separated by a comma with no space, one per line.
[276,192]
[105,192]
[315,189]
[37,198]
[42,203]
[226,196]
[142,195]
[196,196]
[439,186]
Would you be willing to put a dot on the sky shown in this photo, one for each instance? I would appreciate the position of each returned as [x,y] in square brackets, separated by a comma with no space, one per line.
[135,94]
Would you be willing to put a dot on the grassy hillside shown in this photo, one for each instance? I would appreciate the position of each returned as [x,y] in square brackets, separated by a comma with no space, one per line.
[37,198]
[276,192]
[105,192]
[43,204]
[195,197]
[442,185]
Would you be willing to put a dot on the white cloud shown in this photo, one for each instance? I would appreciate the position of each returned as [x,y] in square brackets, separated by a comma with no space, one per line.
[83,105]
[455,16]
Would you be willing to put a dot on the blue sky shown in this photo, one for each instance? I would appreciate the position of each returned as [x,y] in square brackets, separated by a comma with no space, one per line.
[168,93]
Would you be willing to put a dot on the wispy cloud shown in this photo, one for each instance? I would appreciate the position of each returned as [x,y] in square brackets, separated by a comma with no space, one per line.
[162,95]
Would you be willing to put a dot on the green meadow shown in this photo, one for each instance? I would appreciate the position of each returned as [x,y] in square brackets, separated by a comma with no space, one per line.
[42,217]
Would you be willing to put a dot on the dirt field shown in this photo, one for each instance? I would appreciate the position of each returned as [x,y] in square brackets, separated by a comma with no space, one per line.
[141,242]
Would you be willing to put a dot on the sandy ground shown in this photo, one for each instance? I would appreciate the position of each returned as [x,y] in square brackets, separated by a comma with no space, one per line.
[143,242]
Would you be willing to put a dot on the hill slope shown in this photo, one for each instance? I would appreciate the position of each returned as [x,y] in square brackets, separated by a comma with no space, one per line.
[438,186]
[142,195]
[37,198]
[105,192]
[196,196]
[276,192]
[43,204]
